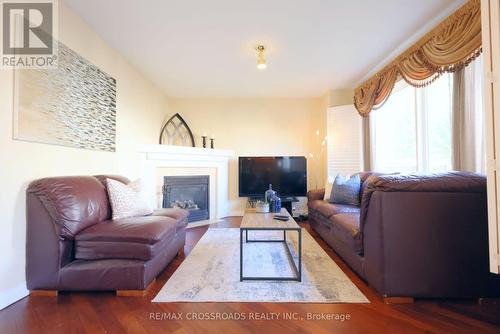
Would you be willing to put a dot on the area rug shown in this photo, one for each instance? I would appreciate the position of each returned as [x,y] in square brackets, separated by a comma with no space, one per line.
[211,272]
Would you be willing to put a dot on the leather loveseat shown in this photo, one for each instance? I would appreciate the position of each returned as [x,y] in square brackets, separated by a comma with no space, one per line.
[413,235]
[73,244]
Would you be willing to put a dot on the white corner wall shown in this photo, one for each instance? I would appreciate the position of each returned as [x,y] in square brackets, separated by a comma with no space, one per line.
[141,109]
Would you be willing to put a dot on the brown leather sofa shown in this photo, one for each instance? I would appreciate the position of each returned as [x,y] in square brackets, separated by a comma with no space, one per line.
[72,243]
[413,235]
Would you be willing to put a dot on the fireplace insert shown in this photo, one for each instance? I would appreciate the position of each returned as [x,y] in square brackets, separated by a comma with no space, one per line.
[188,192]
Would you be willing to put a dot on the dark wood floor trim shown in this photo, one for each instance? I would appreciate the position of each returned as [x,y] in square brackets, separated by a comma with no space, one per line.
[398,300]
[44,293]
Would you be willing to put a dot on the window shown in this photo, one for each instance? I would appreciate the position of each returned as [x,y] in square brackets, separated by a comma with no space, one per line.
[412,130]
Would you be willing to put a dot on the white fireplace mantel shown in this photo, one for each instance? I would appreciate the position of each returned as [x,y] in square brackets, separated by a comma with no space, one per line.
[199,152]
[156,158]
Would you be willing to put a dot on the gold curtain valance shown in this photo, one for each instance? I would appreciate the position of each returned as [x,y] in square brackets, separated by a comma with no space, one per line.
[450,46]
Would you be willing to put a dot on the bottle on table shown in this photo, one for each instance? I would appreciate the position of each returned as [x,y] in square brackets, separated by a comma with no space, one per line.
[269,194]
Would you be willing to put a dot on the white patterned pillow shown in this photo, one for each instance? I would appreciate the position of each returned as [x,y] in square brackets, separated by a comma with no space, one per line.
[126,200]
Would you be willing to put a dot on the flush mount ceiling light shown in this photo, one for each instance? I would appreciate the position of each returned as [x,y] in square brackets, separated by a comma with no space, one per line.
[261,61]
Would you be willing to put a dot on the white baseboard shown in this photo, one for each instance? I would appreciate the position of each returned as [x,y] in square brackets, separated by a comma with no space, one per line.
[215,220]
[236,213]
[12,295]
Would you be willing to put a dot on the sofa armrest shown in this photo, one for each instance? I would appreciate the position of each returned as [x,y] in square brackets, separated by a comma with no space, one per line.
[455,182]
[427,244]
[447,182]
[315,194]
[175,213]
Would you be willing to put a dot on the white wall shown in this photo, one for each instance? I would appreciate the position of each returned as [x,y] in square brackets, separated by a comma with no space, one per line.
[141,108]
[256,127]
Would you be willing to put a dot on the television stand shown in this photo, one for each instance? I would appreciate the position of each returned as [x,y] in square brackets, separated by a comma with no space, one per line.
[287,203]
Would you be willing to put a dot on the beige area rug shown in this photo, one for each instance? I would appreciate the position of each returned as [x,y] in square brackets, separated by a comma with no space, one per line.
[211,272]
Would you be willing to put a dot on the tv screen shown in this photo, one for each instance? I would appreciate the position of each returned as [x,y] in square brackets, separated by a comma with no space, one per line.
[288,175]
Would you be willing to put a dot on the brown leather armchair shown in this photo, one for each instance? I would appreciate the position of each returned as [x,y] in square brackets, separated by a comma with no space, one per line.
[413,235]
[72,243]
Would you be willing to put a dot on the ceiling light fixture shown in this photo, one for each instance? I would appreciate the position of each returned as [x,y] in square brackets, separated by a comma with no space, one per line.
[261,61]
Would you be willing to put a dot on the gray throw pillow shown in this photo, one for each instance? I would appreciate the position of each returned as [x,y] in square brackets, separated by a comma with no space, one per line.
[346,190]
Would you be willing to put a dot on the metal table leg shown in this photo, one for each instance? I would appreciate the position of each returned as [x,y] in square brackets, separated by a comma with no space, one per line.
[300,255]
[241,255]
[297,267]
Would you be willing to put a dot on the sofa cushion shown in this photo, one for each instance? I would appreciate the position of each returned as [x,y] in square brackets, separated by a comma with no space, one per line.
[139,238]
[345,226]
[98,250]
[73,202]
[147,230]
[329,209]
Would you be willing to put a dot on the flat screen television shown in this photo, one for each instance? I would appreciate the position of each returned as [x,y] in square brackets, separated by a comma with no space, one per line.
[288,175]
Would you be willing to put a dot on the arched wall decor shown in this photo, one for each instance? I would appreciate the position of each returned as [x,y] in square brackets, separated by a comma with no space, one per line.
[176,132]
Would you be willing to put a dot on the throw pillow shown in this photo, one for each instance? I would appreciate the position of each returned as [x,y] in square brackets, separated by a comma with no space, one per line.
[346,190]
[136,186]
[126,200]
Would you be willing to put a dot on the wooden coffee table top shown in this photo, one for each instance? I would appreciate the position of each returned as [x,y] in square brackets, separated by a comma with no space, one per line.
[252,219]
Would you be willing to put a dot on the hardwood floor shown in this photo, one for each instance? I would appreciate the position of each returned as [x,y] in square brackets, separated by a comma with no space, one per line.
[104,312]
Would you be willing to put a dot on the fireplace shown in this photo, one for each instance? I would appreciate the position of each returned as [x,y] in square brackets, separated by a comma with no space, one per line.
[188,192]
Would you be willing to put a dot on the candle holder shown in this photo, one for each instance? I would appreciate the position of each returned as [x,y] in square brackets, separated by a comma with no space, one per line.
[204,141]
[212,142]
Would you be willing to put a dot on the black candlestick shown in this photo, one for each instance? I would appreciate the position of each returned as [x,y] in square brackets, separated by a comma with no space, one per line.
[204,141]
[211,142]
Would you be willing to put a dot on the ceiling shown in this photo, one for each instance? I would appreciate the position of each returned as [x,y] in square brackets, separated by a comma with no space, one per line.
[205,48]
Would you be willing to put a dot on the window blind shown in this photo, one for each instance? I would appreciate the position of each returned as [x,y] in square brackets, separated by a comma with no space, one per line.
[344,149]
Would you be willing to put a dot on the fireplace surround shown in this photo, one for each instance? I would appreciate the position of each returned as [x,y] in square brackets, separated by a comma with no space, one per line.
[158,161]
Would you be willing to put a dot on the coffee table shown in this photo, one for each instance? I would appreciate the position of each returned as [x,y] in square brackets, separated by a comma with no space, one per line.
[253,221]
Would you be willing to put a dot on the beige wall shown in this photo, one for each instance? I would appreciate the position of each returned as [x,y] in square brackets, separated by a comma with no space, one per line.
[141,108]
[249,126]
[340,97]
[257,127]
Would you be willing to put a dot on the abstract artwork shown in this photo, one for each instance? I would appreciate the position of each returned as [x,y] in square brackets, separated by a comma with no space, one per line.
[73,105]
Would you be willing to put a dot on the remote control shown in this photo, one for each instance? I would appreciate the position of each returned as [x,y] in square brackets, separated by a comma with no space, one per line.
[281,218]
